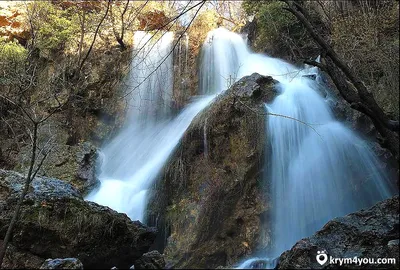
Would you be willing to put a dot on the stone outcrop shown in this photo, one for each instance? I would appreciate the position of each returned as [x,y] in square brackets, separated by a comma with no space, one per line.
[12,23]
[150,260]
[67,263]
[209,205]
[55,222]
[370,233]
[74,164]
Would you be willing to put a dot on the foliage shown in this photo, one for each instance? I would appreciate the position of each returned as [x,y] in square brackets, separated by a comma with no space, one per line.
[278,32]
[369,40]
[252,7]
[12,60]
[273,19]
[11,53]
[204,22]
[54,26]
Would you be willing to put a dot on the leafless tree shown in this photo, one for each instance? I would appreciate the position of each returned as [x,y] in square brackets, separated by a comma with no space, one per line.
[350,86]
[28,112]
[37,156]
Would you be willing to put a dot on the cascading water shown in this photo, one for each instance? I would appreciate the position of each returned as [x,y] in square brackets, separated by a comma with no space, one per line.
[221,58]
[133,159]
[318,168]
[316,174]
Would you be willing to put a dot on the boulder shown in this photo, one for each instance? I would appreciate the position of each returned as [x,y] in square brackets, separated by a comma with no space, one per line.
[210,204]
[55,222]
[72,163]
[370,233]
[67,263]
[150,260]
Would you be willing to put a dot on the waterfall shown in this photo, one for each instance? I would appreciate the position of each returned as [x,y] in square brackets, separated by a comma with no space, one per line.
[133,159]
[316,173]
[318,168]
[181,69]
[221,56]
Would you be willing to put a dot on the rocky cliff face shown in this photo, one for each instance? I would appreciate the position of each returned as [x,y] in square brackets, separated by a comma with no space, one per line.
[209,205]
[55,222]
[370,233]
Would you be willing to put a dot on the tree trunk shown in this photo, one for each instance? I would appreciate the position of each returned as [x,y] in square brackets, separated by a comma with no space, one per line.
[349,85]
[28,180]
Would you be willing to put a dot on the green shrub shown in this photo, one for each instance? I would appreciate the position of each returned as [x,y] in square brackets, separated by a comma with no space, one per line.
[278,32]
[54,34]
[54,26]
[11,51]
[12,60]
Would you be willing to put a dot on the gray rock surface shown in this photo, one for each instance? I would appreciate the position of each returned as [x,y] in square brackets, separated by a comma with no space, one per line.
[74,164]
[370,233]
[67,263]
[210,204]
[55,222]
[150,260]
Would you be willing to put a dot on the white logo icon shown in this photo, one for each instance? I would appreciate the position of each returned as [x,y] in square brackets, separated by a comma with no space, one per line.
[321,257]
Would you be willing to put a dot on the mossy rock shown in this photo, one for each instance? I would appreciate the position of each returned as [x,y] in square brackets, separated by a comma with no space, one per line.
[55,222]
[209,205]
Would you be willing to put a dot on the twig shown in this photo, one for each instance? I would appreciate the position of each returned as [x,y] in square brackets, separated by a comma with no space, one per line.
[95,36]
[281,115]
[172,50]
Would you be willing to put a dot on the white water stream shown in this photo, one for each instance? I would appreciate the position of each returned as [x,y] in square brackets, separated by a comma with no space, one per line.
[132,160]
[317,170]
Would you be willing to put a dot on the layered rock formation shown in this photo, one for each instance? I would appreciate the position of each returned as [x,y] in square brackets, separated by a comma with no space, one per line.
[74,164]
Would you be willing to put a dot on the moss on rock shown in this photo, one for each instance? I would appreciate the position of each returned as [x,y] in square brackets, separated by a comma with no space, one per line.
[209,205]
[55,222]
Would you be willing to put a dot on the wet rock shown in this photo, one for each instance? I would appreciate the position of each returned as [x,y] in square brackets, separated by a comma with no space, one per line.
[250,30]
[219,161]
[67,263]
[55,222]
[150,260]
[370,233]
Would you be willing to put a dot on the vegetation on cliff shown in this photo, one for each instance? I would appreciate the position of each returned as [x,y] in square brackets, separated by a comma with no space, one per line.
[342,33]
[62,94]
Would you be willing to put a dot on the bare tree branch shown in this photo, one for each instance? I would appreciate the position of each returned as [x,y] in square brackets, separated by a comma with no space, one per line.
[172,50]
[350,87]
[95,36]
